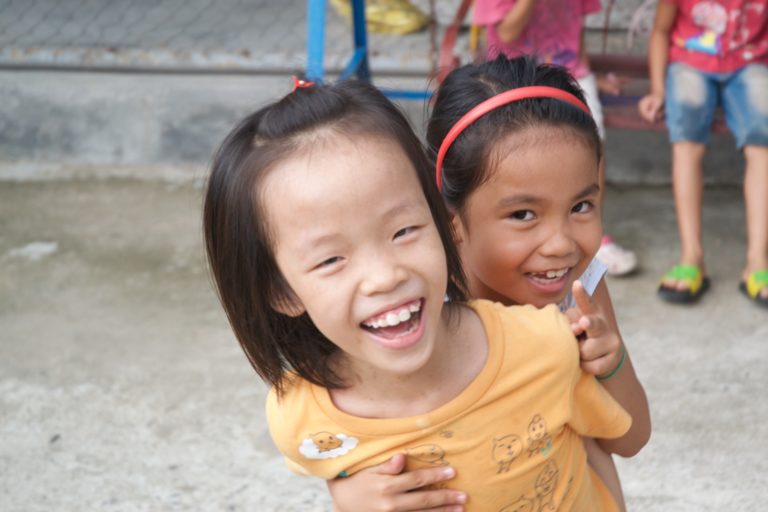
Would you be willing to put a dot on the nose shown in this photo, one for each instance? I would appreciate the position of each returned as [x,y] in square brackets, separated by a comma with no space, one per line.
[558,242]
[382,273]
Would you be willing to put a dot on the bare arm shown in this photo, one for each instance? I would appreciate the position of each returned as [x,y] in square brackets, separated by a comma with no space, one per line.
[651,105]
[601,349]
[625,388]
[387,488]
[515,21]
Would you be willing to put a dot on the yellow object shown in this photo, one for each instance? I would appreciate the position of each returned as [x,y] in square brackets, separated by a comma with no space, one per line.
[386,16]
[756,282]
[515,433]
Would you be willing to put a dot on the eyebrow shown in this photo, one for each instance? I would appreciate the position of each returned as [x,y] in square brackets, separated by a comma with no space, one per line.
[588,191]
[506,202]
[312,241]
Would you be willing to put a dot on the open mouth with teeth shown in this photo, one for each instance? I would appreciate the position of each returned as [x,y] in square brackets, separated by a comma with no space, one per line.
[397,322]
[550,276]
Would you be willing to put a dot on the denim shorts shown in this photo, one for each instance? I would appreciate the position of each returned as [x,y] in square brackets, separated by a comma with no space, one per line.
[692,96]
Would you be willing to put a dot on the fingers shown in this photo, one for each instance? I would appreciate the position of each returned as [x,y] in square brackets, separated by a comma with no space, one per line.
[600,354]
[407,491]
[386,488]
[438,500]
[600,366]
[610,84]
[583,300]
[651,108]
[416,479]
[572,314]
[394,466]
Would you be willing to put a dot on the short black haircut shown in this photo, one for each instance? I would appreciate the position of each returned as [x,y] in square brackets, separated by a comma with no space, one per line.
[238,240]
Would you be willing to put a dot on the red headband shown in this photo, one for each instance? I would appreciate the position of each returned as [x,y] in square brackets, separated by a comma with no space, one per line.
[536,91]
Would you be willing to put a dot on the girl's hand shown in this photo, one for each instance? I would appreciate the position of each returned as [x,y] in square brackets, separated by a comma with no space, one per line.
[599,344]
[610,84]
[651,107]
[386,488]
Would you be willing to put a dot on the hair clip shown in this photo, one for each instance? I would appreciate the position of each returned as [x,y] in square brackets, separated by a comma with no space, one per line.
[300,83]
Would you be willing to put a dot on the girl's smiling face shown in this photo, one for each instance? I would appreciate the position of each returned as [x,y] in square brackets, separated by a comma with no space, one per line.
[354,238]
[532,228]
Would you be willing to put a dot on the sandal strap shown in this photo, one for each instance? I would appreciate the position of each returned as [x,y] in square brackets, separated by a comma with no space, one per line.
[689,274]
[756,281]
[684,273]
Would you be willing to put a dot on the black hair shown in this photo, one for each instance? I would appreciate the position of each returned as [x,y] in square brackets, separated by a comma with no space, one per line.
[238,240]
[468,162]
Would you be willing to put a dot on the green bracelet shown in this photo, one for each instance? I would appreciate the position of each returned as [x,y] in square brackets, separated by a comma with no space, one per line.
[603,378]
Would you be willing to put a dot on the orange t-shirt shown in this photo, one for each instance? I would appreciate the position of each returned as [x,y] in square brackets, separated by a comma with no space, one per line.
[514,434]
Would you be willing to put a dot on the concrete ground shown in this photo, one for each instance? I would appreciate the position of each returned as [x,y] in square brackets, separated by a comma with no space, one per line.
[123,389]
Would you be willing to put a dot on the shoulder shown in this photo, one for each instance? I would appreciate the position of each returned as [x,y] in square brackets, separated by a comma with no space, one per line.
[287,411]
[523,321]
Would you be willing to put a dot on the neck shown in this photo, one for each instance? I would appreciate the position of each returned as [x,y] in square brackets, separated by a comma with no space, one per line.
[458,358]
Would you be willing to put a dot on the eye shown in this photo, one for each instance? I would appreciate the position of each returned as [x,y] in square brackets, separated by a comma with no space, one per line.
[583,207]
[328,262]
[404,232]
[522,215]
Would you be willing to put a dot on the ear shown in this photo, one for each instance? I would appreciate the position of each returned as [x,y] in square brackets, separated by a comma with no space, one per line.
[288,305]
[458,228]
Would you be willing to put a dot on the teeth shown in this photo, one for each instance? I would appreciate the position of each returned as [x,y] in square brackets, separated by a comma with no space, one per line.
[552,274]
[393,318]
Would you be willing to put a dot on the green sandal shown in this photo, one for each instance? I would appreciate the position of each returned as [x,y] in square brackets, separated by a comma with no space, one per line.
[755,283]
[689,274]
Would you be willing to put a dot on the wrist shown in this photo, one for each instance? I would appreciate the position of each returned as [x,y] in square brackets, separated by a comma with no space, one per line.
[612,373]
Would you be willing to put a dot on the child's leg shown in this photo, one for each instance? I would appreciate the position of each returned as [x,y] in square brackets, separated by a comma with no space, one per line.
[756,202]
[602,463]
[687,184]
[746,110]
[690,102]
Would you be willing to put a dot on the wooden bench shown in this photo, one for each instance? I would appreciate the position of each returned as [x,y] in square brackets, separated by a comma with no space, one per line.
[621,111]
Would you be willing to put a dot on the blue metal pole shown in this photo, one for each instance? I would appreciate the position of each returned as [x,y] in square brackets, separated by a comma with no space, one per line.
[360,40]
[315,39]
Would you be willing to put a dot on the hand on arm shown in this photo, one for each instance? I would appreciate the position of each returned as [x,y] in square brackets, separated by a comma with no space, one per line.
[602,349]
[611,83]
[387,488]
[651,106]
[515,21]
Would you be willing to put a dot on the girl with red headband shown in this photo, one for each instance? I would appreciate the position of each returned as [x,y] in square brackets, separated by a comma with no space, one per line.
[516,157]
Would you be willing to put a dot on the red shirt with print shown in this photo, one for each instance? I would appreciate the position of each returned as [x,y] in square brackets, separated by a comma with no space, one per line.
[719,36]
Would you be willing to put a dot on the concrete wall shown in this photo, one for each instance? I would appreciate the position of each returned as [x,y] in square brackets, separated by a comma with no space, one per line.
[50,120]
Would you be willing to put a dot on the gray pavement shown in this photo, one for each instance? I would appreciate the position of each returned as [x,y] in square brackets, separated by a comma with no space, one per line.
[122,387]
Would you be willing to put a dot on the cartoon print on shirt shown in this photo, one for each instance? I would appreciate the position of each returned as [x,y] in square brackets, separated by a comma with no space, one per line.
[713,18]
[325,441]
[545,485]
[430,454]
[505,450]
[539,439]
[325,445]
[740,33]
[521,505]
